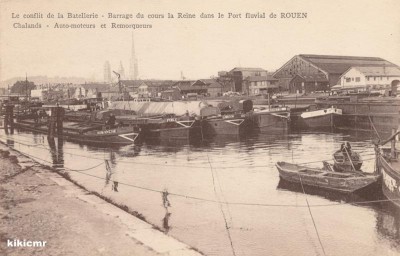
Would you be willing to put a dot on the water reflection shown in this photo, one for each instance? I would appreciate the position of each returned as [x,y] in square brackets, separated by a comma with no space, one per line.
[166,205]
[246,171]
[370,193]
[388,222]
[111,173]
[57,153]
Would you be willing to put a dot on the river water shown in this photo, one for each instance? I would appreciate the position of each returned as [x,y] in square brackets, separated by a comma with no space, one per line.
[225,196]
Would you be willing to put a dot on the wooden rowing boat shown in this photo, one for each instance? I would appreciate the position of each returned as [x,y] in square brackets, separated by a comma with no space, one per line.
[322,178]
[347,161]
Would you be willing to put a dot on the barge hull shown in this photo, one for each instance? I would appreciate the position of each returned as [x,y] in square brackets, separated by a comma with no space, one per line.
[268,120]
[222,127]
[390,181]
[325,121]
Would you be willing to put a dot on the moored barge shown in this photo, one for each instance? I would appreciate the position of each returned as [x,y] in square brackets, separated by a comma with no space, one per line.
[322,118]
[91,132]
[229,124]
[269,118]
[364,114]
[388,164]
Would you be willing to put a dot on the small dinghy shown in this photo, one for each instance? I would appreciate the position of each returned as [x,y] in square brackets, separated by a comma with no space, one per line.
[326,179]
[346,160]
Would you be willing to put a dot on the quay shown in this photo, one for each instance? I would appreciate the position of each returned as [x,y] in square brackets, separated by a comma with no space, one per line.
[39,204]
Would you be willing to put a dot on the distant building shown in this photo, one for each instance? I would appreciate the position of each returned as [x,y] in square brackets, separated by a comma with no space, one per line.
[153,88]
[308,73]
[39,94]
[191,86]
[146,88]
[240,74]
[209,87]
[90,90]
[214,88]
[371,78]
[261,84]
[171,94]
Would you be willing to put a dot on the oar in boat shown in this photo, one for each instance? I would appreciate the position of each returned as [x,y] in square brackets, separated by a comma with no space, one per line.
[352,165]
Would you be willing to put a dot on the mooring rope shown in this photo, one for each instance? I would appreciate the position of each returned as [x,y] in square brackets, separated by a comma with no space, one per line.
[312,218]
[222,210]
[373,126]
[82,171]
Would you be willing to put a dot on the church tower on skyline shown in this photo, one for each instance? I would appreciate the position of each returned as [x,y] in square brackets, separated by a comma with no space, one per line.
[133,68]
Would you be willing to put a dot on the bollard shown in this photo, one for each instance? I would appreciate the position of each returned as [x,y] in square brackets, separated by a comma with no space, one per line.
[52,122]
[60,118]
[6,120]
[11,118]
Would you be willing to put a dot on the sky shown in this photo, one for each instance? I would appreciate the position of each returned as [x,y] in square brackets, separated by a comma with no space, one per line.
[197,47]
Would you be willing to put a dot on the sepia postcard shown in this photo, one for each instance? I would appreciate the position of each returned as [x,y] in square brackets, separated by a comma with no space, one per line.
[133,127]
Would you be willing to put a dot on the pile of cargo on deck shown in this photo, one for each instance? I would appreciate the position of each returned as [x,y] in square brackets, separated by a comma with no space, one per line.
[178,108]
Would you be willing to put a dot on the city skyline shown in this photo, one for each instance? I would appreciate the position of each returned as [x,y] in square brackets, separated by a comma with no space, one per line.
[197,47]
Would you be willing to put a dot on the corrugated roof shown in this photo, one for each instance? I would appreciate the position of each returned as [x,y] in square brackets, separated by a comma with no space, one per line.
[312,78]
[192,87]
[379,71]
[184,82]
[178,108]
[159,83]
[214,84]
[201,84]
[248,69]
[339,64]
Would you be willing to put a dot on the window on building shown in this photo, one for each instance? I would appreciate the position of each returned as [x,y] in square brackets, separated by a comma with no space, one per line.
[374,78]
[352,79]
[357,79]
[348,80]
[367,78]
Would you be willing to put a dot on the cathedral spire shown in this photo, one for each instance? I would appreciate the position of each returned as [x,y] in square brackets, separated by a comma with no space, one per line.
[133,69]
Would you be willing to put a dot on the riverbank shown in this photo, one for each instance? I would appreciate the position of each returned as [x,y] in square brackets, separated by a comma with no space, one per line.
[37,204]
